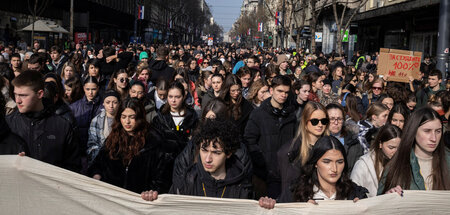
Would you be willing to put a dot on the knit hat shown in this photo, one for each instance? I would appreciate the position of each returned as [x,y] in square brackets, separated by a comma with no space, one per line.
[111,93]
[143,55]
[282,58]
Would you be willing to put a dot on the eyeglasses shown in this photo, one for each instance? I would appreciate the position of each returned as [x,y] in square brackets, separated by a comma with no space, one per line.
[336,119]
[324,121]
[377,88]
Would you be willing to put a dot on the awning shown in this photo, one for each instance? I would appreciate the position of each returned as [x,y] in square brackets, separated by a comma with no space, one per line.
[46,26]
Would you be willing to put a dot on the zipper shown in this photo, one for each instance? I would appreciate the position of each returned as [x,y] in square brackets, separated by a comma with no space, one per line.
[126,176]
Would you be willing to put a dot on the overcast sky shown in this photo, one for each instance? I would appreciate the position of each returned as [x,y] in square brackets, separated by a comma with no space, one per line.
[225,12]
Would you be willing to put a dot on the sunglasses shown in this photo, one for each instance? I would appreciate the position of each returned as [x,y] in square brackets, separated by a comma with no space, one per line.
[205,62]
[324,121]
[377,88]
[122,80]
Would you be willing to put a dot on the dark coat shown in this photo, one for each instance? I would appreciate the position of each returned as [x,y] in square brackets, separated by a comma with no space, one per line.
[48,138]
[160,69]
[149,170]
[264,135]
[10,143]
[62,109]
[84,111]
[189,177]
[354,150]
[289,165]
[207,97]
[176,138]
[246,110]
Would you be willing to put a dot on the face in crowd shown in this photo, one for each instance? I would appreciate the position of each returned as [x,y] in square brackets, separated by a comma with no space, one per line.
[27,99]
[111,105]
[90,90]
[175,99]
[128,120]
[137,91]
[213,157]
[317,123]
[336,120]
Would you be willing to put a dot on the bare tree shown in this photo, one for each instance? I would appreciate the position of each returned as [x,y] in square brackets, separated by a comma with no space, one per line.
[36,8]
[343,20]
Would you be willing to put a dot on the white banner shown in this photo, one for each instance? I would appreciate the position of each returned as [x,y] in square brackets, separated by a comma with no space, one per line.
[28,186]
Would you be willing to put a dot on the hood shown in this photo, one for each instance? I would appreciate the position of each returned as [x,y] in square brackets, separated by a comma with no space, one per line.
[62,108]
[236,172]
[157,65]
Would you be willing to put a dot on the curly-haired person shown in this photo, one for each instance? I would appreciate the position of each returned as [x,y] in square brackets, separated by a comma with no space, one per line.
[218,170]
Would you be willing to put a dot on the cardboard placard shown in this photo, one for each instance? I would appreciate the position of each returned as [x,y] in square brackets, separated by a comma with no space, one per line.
[398,65]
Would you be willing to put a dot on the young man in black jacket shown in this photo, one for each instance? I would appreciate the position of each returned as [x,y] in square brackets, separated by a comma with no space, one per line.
[47,136]
[221,169]
[159,67]
[269,127]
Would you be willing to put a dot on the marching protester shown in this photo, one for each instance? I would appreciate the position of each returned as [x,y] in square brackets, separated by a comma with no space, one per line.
[226,120]
[133,155]
[269,127]
[368,169]
[57,143]
[422,161]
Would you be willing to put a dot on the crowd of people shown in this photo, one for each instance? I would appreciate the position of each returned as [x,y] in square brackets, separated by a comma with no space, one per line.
[227,121]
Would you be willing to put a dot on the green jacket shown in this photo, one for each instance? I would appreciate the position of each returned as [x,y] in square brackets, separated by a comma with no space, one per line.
[424,94]
[417,182]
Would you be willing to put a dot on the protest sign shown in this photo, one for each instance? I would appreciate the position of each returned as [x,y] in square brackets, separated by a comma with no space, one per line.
[398,65]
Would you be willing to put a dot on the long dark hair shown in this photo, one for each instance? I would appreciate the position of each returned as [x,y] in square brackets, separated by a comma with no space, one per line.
[234,109]
[303,189]
[77,90]
[399,168]
[386,133]
[119,143]
[400,109]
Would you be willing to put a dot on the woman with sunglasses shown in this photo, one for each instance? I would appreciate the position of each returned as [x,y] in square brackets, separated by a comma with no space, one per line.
[368,169]
[422,162]
[292,157]
[119,83]
[85,109]
[324,176]
[376,116]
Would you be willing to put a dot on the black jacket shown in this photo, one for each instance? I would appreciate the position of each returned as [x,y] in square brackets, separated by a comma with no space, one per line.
[48,138]
[160,69]
[289,165]
[189,177]
[62,109]
[264,135]
[84,111]
[246,110]
[149,170]
[10,143]
[354,150]
[176,138]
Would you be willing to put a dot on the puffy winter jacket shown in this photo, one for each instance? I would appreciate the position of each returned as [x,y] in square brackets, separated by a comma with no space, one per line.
[190,178]
[177,138]
[10,143]
[149,170]
[84,111]
[48,137]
